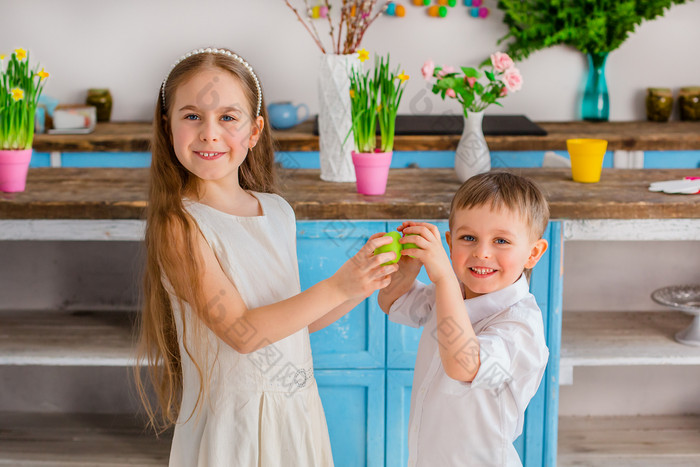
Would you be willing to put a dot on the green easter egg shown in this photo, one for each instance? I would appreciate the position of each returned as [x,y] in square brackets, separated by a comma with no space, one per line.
[410,245]
[394,246]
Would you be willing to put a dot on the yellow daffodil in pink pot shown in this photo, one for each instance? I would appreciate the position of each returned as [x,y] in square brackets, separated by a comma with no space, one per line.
[374,97]
[20,88]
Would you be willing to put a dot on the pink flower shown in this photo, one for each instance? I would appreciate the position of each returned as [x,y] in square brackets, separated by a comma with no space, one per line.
[451,93]
[504,92]
[471,81]
[427,70]
[513,79]
[446,70]
[501,62]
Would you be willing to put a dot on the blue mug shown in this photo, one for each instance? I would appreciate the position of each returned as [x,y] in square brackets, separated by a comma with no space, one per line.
[284,115]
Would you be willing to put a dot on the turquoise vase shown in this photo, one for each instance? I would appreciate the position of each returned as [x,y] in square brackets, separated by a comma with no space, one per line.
[596,104]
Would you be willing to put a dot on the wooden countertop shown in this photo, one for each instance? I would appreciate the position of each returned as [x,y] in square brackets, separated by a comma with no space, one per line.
[644,136]
[99,193]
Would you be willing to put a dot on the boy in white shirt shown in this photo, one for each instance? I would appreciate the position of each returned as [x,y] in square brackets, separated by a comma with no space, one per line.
[482,353]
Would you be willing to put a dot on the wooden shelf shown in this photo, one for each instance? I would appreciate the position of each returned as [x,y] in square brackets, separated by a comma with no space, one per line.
[623,338]
[630,136]
[118,193]
[641,441]
[78,440]
[78,338]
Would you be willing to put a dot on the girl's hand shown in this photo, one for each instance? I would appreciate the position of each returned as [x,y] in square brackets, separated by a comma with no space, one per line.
[430,251]
[363,273]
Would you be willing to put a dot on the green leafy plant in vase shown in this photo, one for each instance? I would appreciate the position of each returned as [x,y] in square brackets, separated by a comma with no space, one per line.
[595,28]
[20,88]
[375,96]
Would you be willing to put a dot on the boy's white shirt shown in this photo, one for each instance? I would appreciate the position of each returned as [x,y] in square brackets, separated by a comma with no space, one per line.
[454,423]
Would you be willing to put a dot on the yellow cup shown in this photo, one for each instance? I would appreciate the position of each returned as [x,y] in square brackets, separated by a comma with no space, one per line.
[586,158]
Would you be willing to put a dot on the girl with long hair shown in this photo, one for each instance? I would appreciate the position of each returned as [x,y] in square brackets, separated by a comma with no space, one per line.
[224,331]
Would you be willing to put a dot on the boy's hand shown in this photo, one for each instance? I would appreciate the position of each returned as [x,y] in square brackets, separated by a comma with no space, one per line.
[363,273]
[401,280]
[430,251]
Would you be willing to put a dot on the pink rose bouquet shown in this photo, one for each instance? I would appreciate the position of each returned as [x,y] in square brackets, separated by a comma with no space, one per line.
[502,78]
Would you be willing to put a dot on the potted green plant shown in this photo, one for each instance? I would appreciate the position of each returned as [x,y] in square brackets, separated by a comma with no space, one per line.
[375,95]
[475,91]
[595,28]
[20,88]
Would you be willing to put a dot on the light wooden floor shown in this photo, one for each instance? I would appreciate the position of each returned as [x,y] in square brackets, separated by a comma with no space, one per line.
[646,441]
[79,440]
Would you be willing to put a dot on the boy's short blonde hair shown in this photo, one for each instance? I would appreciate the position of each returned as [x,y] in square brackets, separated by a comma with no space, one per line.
[504,189]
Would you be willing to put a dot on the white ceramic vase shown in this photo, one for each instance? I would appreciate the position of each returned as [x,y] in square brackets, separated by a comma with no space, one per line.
[472,156]
[334,119]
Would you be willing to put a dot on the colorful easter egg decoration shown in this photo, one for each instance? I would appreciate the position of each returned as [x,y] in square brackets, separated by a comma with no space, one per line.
[437,11]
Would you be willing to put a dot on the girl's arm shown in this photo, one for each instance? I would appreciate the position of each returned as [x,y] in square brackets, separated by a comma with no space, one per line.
[247,330]
[334,315]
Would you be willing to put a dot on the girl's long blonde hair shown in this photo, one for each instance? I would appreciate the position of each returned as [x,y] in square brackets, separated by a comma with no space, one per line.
[171,239]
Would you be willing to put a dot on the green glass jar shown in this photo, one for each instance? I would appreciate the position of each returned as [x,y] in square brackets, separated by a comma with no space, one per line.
[659,104]
[689,101]
[102,100]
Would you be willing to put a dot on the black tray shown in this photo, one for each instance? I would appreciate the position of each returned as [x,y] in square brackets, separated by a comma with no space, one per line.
[493,125]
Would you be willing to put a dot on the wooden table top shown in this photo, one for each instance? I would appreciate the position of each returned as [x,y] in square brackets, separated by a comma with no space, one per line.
[112,193]
[642,136]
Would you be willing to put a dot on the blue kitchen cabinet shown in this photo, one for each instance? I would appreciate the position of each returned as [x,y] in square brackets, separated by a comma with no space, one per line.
[357,339]
[398,408]
[350,355]
[353,401]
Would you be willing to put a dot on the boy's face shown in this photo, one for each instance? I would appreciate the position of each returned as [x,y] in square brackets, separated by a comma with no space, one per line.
[490,249]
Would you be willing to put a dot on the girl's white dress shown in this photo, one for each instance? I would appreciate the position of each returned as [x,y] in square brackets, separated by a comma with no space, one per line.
[262,408]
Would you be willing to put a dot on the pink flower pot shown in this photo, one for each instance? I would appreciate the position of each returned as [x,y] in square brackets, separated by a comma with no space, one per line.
[13,169]
[371,171]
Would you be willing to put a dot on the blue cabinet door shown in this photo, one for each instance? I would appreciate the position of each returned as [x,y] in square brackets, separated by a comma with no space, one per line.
[398,408]
[353,401]
[357,339]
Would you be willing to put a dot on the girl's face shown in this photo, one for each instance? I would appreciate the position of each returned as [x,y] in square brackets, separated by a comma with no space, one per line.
[490,249]
[211,126]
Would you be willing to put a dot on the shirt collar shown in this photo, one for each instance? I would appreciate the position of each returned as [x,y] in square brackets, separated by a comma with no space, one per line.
[488,304]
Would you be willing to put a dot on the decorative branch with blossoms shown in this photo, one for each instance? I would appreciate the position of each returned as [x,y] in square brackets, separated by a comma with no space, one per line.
[20,88]
[354,15]
[503,78]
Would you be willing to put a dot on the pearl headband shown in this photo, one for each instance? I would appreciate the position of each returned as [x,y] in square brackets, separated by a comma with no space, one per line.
[209,50]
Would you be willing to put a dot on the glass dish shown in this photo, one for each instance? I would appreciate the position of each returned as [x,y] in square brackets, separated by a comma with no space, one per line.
[685,298]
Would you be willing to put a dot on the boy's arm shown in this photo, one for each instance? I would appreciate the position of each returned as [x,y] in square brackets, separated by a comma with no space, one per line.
[401,282]
[459,346]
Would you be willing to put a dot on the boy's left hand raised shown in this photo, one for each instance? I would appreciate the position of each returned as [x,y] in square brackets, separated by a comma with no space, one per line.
[430,250]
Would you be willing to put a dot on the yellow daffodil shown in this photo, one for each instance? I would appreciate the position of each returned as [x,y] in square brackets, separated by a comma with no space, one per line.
[362,54]
[403,76]
[17,94]
[2,56]
[21,54]
[43,74]
[352,93]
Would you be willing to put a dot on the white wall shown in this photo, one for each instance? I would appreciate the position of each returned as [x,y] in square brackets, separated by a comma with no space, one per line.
[128,45]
